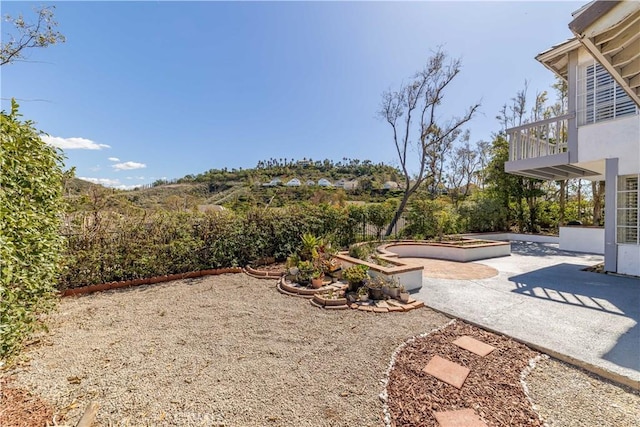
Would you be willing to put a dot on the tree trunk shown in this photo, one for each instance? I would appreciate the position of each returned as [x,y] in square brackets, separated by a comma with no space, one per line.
[562,202]
[597,188]
[399,211]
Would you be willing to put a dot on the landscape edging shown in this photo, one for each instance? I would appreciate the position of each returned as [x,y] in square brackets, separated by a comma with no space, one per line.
[147,281]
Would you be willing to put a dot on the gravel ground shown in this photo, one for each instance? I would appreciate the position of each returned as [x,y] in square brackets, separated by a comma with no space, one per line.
[566,396]
[231,351]
[224,350]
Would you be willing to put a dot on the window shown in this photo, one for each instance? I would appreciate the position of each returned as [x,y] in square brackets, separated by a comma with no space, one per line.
[628,209]
[600,97]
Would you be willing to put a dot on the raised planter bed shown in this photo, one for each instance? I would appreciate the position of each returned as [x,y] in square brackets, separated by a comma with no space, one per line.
[464,250]
[410,276]
[323,300]
[295,289]
[259,273]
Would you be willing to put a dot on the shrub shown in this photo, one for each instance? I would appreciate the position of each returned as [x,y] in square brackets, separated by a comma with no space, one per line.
[483,214]
[106,246]
[30,243]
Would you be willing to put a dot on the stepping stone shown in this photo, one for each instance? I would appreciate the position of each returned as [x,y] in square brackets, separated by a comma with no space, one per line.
[382,304]
[447,371]
[474,346]
[459,418]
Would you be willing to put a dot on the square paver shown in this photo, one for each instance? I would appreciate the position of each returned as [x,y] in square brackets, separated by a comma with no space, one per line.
[459,418]
[447,371]
[474,346]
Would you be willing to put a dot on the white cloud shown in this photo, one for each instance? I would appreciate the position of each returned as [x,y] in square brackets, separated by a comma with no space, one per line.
[113,159]
[73,143]
[107,182]
[128,166]
[111,183]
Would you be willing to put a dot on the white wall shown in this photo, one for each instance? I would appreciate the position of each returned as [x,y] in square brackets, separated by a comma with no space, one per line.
[629,259]
[612,138]
[582,239]
[515,237]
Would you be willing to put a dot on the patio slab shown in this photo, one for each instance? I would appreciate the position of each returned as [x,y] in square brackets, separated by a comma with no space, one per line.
[542,297]
[447,371]
[474,346]
[459,418]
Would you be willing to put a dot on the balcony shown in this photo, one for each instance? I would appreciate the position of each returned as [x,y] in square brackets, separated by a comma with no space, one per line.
[544,138]
[541,150]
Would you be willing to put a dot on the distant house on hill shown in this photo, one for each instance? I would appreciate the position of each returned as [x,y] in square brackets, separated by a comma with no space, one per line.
[390,185]
[310,183]
[295,182]
[210,208]
[273,183]
[324,183]
[346,184]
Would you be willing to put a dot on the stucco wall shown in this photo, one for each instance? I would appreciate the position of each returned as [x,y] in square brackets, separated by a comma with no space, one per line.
[582,239]
[629,259]
[612,138]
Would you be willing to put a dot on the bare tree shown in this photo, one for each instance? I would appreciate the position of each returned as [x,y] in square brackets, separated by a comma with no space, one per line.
[41,34]
[412,113]
[483,148]
[462,169]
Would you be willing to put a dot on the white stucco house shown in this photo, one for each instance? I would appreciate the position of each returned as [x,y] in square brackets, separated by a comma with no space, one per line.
[390,185]
[310,183]
[598,138]
[273,183]
[323,182]
[295,182]
[347,184]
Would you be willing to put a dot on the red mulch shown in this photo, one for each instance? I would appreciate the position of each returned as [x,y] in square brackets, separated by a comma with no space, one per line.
[19,408]
[492,389]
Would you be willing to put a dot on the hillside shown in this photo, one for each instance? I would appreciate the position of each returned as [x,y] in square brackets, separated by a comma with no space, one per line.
[240,188]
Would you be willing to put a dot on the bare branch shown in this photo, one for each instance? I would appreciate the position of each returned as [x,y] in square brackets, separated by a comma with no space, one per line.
[41,34]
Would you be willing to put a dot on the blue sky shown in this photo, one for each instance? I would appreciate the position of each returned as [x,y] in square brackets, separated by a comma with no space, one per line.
[165,89]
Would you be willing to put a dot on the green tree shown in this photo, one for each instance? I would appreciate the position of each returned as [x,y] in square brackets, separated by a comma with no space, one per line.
[31,207]
[27,35]
[379,214]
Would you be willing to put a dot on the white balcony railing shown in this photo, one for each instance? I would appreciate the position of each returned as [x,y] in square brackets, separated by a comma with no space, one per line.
[542,138]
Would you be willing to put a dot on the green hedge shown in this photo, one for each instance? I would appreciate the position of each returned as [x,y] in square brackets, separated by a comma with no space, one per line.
[30,242]
[114,247]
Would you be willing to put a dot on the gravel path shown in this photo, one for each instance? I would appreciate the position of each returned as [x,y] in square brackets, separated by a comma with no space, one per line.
[231,351]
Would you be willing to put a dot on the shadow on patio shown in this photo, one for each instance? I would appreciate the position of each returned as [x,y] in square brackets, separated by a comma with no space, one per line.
[568,284]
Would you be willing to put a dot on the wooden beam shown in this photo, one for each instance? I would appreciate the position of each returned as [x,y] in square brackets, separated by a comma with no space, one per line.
[620,41]
[615,73]
[631,69]
[609,35]
[628,54]
[635,82]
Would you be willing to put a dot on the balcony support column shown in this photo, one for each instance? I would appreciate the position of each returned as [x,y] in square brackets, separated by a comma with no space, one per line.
[572,101]
[610,217]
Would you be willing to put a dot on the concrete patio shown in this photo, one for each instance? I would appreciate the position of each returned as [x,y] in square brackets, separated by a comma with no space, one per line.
[541,296]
